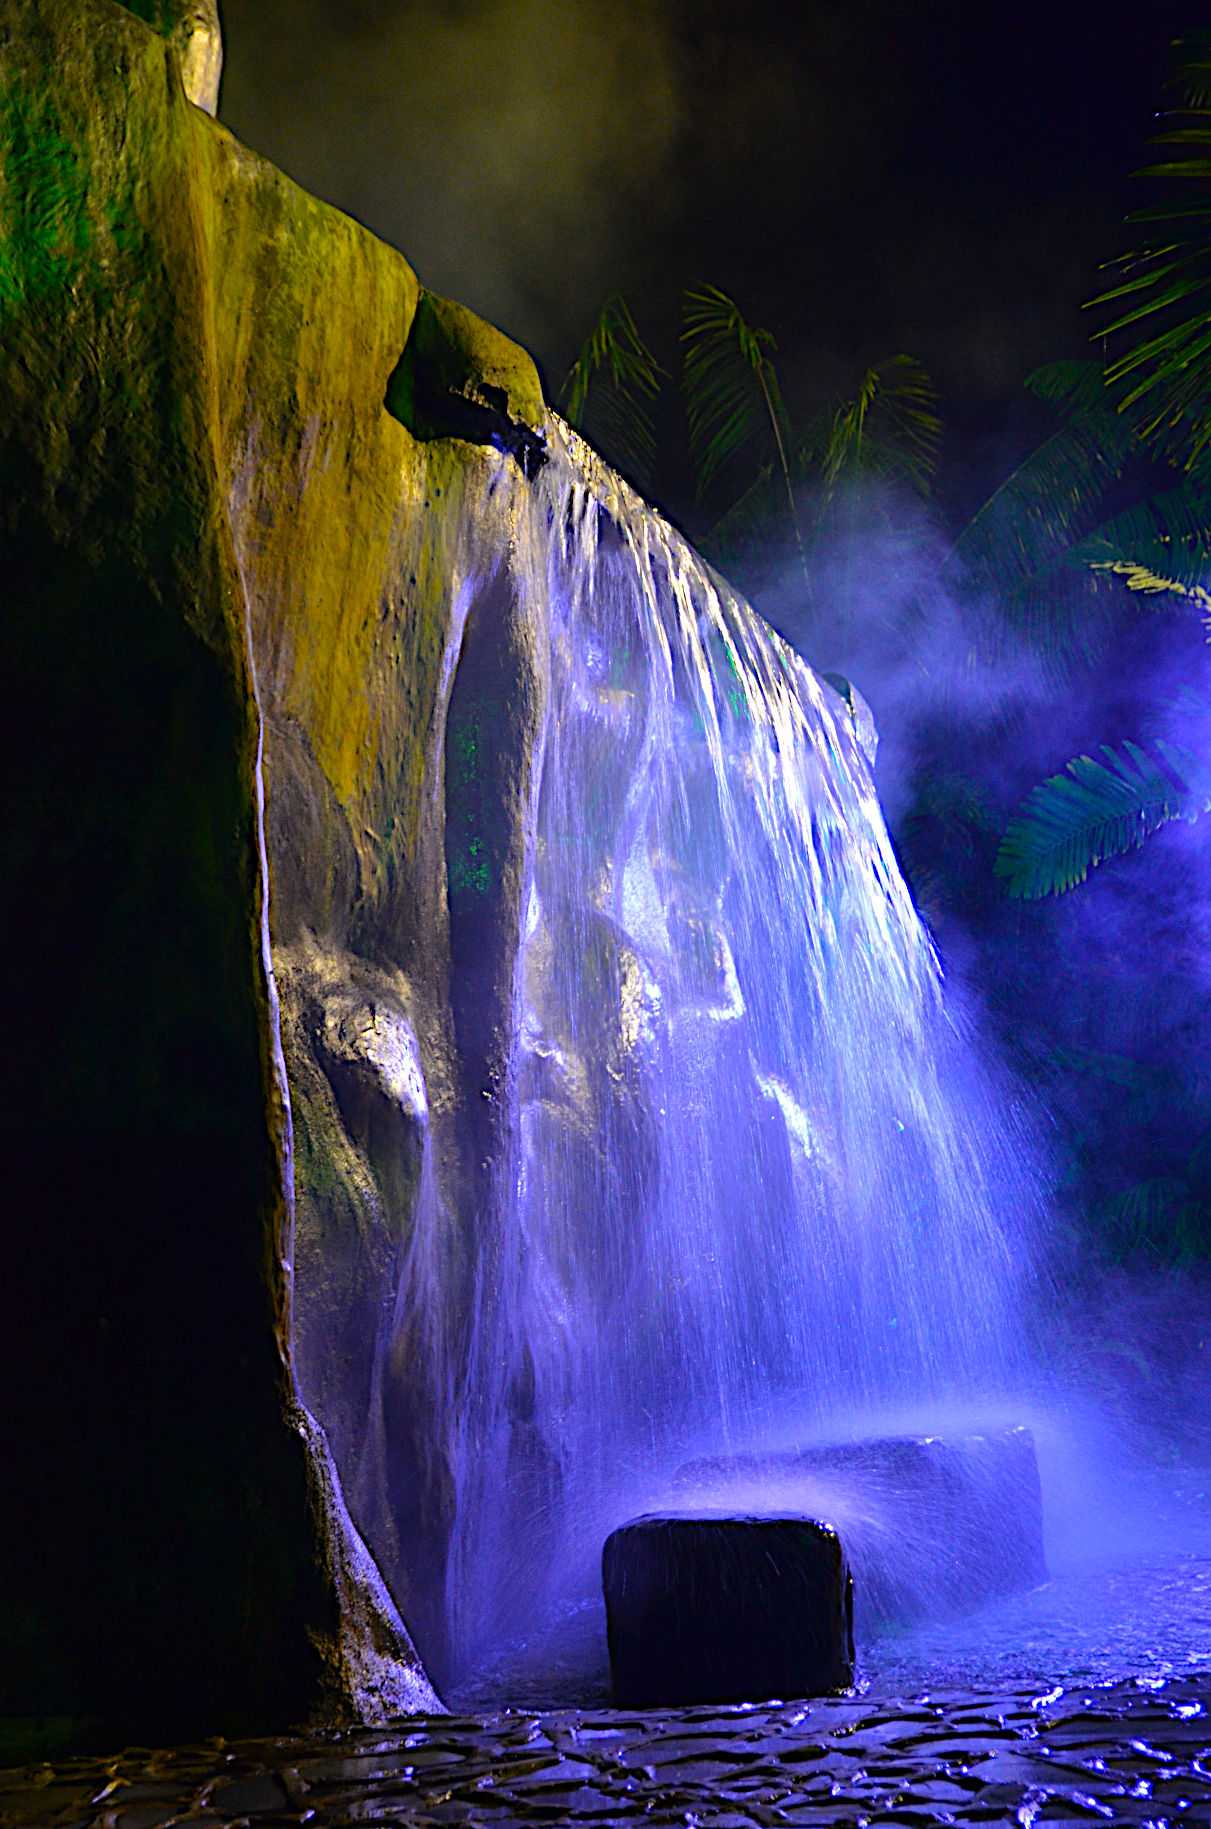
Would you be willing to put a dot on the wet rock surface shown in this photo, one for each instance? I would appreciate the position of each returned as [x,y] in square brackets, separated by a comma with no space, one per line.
[1128,1752]
[716,1608]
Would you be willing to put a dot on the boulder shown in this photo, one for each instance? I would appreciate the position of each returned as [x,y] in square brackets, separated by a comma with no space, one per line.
[934,1525]
[726,1608]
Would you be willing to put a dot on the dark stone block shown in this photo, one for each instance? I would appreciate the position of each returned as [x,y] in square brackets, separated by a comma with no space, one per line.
[933,1525]
[719,1608]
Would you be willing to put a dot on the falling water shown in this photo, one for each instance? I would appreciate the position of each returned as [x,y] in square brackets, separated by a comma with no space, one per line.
[755,1187]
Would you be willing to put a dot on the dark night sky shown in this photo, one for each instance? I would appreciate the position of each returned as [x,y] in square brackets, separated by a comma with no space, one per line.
[865,176]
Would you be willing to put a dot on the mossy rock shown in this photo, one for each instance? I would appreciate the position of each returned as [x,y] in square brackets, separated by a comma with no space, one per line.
[217,1583]
[461,378]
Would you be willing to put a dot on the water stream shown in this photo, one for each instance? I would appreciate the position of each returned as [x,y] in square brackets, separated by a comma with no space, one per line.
[756,1182]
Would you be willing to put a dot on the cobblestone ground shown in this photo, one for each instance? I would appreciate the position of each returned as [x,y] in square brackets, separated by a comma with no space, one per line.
[1137,1752]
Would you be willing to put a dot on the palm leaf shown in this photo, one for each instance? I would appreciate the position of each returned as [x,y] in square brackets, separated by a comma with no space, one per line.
[1147,583]
[1072,386]
[1187,705]
[1164,296]
[889,429]
[1055,577]
[1095,810]
[731,386]
[608,390]
[1065,612]
[1030,520]
[1159,545]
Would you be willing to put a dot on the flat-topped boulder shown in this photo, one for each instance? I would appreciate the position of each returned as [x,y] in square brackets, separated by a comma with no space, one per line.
[933,1525]
[718,1607]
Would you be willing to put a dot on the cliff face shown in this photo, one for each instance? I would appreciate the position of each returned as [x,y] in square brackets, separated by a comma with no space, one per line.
[216,547]
[357,541]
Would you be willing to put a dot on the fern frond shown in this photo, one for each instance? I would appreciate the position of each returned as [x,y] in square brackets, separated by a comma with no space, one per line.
[1096,810]
[607,391]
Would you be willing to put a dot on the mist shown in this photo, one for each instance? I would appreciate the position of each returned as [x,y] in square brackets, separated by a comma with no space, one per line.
[1094,1007]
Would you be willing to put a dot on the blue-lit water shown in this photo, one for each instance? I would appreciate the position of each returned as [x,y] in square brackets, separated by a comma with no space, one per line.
[1127,1598]
[757,1177]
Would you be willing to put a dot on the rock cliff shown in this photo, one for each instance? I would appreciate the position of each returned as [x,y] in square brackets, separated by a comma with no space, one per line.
[225,411]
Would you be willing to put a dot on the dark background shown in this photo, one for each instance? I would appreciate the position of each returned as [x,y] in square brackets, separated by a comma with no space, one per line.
[864,176]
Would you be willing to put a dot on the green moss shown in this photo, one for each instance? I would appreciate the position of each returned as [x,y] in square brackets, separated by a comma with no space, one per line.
[47,228]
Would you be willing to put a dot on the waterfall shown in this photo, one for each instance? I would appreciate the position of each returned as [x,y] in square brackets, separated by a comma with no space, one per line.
[753,1184]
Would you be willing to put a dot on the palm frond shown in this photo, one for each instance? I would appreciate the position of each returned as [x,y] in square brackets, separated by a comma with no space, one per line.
[1164,293]
[731,386]
[1159,545]
[1187,705]
[1192,80]
[1064,612]
[608,390]
[1097,810]
[1053,495]
[1146,583]
[1072,386]
[889,429]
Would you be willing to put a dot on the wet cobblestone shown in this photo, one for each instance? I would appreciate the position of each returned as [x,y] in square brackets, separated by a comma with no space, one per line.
[1136,1752]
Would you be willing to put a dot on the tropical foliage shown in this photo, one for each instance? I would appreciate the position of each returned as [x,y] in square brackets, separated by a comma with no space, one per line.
[609,390]
[731,386]
[1160,298]
[1155,551]
[796,474]
[1158,548]
[1027,549]
[1096,810]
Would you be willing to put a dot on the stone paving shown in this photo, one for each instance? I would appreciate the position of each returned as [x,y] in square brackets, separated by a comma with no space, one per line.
[1136,1752]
